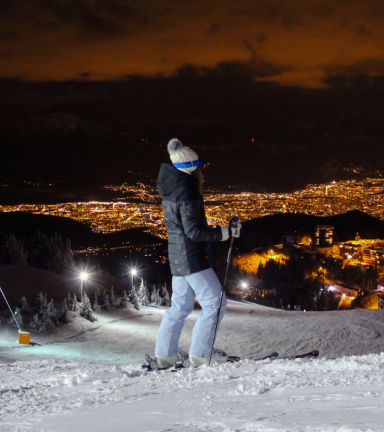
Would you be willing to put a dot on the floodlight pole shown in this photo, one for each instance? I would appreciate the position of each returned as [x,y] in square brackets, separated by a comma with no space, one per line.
[5,298]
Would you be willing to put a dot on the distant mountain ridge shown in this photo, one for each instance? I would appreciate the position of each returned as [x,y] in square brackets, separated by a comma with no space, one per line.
[80,151]
[45,125]
[25,225]
[264,231]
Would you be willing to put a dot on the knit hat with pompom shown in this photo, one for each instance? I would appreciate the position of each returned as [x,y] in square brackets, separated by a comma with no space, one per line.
[183,155]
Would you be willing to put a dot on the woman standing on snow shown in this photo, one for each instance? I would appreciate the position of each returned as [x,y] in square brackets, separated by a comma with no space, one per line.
[189,236]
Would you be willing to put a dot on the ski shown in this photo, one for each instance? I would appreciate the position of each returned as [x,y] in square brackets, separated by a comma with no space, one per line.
[308,355]
[269,356]
[151,366]
[233,359]
[275,356]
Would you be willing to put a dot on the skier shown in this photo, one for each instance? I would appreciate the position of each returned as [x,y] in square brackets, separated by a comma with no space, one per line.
[189,236]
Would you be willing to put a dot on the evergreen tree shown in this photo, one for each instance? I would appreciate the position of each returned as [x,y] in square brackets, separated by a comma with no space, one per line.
[95,305]
[155,296]
[75,307]
[165,301]
[24,307]
[111,298]
[52,254]
[12,251]
[86,310]
[63,310]
[36,324]
[19,319]
[136,304]
[104,301]
[143,294]
[52,313]
[40,302]
[45,317]
[69,302]
[124,300]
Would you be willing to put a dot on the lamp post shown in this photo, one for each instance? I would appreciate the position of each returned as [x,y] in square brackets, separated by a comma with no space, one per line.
[133,274]
[322,271]
[83,277]
[244,286]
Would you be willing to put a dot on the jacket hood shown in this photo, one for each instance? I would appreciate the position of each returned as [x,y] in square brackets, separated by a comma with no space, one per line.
[170,178]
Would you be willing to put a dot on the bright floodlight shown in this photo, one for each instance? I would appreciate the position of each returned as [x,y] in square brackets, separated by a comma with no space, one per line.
[83,276]
[244,284]
[134,272]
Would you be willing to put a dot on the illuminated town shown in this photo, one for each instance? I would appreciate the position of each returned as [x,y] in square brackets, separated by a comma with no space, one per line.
[141,205]
[144,206]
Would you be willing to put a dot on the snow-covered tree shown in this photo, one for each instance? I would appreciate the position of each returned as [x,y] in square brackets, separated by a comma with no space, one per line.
[40,302]
[62,313]
[36,324]
[16,315]
[104,301]
[45,317]
[52,314]
[143,294]
[86,310]
[95,304]
[124,300]
[24,306]
[133,299]
[75,304]
[136,304]
[69,302]
[166,300]
[111,298]
[155,296]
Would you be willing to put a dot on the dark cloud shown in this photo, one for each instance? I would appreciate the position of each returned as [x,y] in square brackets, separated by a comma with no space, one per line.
[214,28]
[363,30]
[92,18]
[293,41]
[367,67]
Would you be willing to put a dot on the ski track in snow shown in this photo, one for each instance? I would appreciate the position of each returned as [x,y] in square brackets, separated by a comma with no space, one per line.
[87,376]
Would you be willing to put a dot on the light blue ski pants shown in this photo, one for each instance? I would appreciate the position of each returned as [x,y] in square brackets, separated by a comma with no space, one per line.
[207,288]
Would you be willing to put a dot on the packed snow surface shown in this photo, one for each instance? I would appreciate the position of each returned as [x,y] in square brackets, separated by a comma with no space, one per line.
[87,376]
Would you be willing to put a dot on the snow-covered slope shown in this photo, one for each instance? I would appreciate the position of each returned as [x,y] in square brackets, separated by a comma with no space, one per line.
[87,376]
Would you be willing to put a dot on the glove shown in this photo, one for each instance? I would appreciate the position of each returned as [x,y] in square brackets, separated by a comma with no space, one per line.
[232,230]
[225,232]
[235,228]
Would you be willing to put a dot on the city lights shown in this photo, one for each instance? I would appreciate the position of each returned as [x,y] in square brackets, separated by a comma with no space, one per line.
[144,208]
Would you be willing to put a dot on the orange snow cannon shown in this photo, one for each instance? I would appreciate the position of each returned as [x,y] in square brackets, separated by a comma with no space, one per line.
[24,337]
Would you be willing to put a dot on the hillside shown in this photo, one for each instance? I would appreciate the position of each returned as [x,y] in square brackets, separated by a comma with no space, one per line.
[87,376]
[25,225]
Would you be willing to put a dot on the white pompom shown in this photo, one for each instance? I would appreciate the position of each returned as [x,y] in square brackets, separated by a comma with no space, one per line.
[174,144]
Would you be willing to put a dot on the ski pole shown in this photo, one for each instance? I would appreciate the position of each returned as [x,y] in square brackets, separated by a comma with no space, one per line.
[5,298]
[235,219]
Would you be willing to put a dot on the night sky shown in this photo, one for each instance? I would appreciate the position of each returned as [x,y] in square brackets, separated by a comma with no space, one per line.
[289,73]
[289,42]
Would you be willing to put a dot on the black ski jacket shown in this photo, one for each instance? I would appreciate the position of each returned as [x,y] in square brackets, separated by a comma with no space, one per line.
[184,215]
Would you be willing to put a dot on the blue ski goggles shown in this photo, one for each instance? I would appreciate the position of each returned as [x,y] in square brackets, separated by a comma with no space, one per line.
[196,163]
